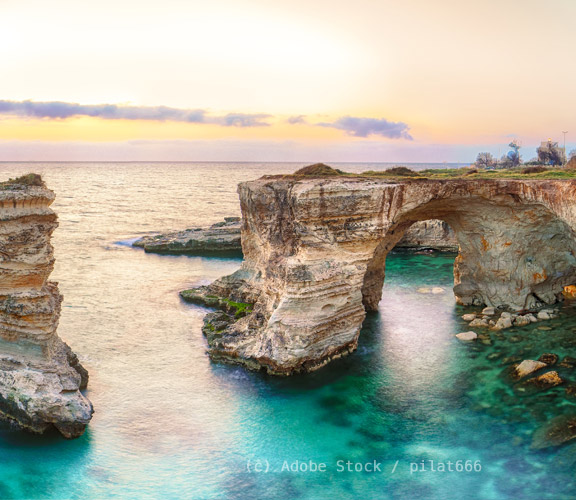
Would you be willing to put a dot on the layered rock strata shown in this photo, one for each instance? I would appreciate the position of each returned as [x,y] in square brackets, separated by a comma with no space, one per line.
[315,252]
[225,237]
[429,235]
[222,237]
[40,377]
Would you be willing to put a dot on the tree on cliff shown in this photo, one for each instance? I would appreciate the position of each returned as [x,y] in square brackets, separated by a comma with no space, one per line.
[512,158]
[485,160]
[550,154]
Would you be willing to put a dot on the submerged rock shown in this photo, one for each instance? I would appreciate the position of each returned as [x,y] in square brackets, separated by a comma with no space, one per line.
[568,362]
[557,431]
[548,358]
[469,317]
[40,376]
[571,391]
[218,238]
[540,383]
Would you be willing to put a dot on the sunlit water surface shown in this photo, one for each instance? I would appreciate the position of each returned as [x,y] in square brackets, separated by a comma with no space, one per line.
[169,424]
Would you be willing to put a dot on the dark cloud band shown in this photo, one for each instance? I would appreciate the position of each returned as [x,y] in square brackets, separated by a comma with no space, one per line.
[55,110]
[63,110]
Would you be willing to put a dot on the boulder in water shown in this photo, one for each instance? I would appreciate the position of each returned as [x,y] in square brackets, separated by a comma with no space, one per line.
[467,336]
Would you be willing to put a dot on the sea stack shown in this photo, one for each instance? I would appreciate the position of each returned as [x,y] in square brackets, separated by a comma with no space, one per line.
[40,376]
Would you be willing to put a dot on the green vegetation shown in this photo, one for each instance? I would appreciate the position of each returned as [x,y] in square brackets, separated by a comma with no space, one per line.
[478,173]
[401,172]
[241,308]
[24,180]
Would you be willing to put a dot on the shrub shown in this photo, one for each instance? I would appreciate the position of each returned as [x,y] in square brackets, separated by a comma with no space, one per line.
[534,170]
[318,169]
[28,180]
[402,172]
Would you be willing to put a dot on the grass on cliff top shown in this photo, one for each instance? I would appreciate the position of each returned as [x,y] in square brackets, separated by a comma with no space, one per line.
[23,180]
[404,173]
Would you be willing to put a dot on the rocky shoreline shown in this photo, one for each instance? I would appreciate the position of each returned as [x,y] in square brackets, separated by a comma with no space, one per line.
[40,377]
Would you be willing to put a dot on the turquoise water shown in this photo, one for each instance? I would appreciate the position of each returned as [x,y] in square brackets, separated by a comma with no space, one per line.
[169,424]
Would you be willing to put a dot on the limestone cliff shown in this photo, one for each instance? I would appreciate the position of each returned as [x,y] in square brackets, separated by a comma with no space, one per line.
[315,251]
[429,234]
[224,237]
[40,377]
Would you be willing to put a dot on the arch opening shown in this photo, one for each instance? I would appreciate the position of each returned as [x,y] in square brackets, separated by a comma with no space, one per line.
[510,254]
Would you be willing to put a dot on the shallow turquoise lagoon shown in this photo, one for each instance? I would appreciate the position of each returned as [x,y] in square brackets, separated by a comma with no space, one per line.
[169,424]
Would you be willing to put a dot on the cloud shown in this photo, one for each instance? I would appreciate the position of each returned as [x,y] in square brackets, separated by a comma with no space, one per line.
[297,120]
[61,110]
[364,127]
[242,120]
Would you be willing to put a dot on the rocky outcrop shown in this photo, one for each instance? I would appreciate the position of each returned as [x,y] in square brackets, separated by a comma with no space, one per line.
[40,377]
[315,252]
[222,237]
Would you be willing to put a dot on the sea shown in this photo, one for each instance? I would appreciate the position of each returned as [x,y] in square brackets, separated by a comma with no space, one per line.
[412,414]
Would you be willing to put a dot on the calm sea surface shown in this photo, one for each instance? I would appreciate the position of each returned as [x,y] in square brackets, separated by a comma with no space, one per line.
[169,424]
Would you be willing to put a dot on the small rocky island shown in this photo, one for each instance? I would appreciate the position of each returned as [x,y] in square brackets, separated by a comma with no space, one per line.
[40,377]
[222,237]
[315,245]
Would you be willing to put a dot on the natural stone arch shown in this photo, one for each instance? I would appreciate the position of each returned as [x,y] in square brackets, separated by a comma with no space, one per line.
[512,252]
[315,254]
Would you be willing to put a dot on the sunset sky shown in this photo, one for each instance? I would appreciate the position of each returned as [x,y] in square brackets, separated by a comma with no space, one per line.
[298,80]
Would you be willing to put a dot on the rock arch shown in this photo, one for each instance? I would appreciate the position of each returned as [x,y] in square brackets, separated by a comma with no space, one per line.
[315,252]
[513,252]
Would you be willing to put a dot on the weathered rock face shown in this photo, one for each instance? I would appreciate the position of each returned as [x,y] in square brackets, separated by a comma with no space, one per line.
[218,238]
[40,377]
[315,252]
[225,237]
[429,234]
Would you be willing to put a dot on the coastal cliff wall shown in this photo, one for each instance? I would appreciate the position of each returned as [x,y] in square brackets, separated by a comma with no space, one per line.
[429,234]
[40,377]
[315,252]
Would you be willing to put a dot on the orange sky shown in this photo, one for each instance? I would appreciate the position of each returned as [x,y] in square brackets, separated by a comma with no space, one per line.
[459,76]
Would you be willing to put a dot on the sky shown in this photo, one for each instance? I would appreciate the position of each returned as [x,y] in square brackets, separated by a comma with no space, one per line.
[297,80]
